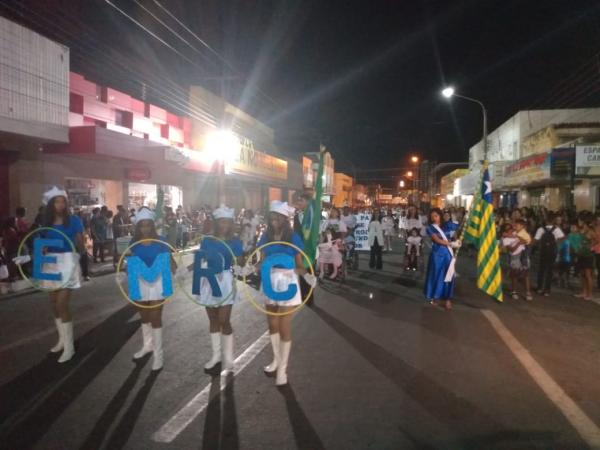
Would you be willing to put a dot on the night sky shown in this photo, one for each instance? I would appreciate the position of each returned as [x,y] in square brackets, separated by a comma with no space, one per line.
[361,76]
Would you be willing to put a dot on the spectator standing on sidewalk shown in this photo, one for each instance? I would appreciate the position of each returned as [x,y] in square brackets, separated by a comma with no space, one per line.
[580,239]
[98,230]
[517,240]
[596,248]
[547,238]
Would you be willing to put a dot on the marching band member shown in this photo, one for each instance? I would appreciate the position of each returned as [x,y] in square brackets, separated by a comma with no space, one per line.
[217,308]
[280,326]
[67,263]
[151,292]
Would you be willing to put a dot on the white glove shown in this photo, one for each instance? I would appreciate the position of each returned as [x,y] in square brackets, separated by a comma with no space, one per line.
[248,269]
[310,279]
[120,277]
[455,244]
[23,259]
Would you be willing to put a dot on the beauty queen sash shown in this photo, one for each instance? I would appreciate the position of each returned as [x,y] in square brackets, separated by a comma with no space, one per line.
[451,268]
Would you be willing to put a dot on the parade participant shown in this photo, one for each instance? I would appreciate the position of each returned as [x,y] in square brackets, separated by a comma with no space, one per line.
[329,253]
[349,219]
[150,292]
[337,226]
[280,326]
[436,286]
[217,308]
[413,250]
[249,224]
[67,263]
[375,240]
[387,224]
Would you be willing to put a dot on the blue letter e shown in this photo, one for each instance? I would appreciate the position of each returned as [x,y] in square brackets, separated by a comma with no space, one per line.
[282,261]
[136,268]
[39,258]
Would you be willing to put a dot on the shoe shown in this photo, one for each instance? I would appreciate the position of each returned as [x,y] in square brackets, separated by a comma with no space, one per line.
[86,278]
[514,295]
[529,297]
[546,294]
[147,341]
[157,349]
[284,356]
[69,348]
[275,343]
[215,341]
[227,347]
[60,344]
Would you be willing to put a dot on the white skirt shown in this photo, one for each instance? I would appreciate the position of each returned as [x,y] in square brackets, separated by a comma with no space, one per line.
[281,279]
[67,264]
[227,284]
[151,290]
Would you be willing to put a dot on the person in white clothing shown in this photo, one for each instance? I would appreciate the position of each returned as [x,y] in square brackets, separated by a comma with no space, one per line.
[335,225]
[375,240]
[387,223]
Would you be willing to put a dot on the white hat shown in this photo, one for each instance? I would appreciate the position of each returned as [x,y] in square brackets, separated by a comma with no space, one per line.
[54,192]
[282,208]
[143,214]
[223,212]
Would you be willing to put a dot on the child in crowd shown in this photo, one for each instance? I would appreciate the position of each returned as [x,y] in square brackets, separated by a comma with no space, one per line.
[329,253]
[517,241]
[413,249]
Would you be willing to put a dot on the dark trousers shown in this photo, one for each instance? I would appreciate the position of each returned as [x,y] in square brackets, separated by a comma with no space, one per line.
[545,272]
[375,261]
[84,263]
[98,250]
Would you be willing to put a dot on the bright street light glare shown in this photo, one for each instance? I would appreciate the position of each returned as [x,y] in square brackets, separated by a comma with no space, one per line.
[401,183]
[448,92]
[415,159]
[409,173]
[222,145]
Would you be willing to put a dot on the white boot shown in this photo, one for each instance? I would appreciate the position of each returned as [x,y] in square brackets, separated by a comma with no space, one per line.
[147,339]
[157,360]
[61,340]
[227,347]
[69,349]
[284,356]
[275,345]
[215,341]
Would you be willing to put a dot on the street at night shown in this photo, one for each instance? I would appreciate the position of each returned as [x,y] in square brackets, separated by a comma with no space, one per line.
[299,224]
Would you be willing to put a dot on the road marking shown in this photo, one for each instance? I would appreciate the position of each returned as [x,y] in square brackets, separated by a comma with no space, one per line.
[176,424]
[588,430]
[52,330]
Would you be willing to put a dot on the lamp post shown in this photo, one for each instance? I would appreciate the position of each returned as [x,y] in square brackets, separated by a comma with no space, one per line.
[416,188]
[449,93]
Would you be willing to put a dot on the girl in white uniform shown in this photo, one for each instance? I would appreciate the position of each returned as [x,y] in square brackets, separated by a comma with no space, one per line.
[219,308]
[151,292]
[67,264]
[280,327]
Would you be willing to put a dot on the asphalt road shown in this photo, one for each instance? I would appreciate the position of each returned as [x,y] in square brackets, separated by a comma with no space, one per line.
[372,367]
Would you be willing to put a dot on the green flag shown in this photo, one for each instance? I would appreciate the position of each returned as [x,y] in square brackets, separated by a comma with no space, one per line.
[311,222]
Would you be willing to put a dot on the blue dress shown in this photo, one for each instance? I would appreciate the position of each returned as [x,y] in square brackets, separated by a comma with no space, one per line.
[439,261]
[449,228]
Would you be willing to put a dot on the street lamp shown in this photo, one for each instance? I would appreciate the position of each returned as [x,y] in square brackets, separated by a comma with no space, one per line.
[409,174]
[414,159]
[401,184]
[222,146]
[449,92]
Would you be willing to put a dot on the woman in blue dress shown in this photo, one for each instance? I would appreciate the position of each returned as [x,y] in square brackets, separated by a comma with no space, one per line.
[440,259]
[219,308]
[449,227]
[67,263]
[151,292]
[280,326]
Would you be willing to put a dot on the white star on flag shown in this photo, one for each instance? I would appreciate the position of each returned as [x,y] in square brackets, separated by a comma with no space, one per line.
[488,187]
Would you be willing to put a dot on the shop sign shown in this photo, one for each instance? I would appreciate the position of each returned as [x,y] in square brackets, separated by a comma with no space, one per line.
[533,168]
[137,174]
[562,163]
[249,161]
[385,197]
[361,232]
[587,160]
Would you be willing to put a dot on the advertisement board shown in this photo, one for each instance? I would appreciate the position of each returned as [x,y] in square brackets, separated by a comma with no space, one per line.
[587,160]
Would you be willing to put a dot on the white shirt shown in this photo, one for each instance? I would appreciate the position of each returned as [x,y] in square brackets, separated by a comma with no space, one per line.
[511,241]
[558,234]
[413,223]
[388,223]
[414,240]
[349,220]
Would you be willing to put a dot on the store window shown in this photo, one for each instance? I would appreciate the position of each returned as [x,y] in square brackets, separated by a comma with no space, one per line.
[88,193]
[142,194]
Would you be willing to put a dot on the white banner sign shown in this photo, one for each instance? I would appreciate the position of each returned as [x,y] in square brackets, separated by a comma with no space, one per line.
[361,232]
[587,156]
